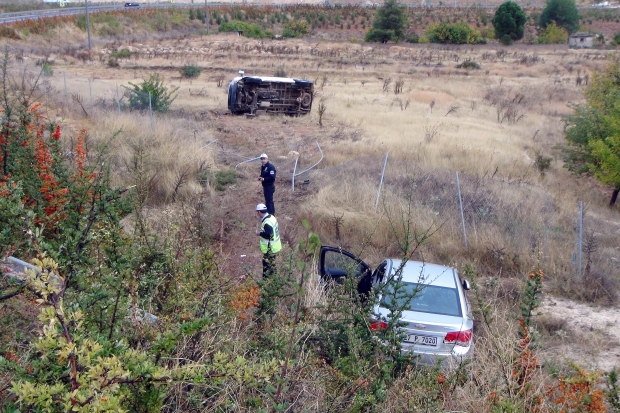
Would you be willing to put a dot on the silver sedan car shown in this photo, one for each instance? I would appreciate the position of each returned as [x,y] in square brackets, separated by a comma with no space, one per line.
[436,319]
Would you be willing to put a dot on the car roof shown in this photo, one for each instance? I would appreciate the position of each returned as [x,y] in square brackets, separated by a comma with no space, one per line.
[426,273]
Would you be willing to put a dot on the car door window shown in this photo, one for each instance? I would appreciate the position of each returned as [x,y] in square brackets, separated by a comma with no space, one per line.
[339,265]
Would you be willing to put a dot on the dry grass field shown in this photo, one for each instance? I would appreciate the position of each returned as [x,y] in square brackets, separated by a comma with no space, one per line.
[498,127]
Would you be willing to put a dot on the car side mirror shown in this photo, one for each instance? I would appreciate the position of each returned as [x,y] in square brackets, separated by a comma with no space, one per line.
[466,285]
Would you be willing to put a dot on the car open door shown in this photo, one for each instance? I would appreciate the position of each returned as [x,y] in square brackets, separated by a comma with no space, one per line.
[335,264]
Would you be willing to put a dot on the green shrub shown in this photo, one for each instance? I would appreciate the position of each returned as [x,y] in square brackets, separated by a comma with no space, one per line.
[160,97]
[113,62]
[487,32]
[413,38]
[190,71]
[280,72]
[616,39]
[295,28]
[47,70]
[468,64]
[81,22]
[225,178]
[460,33]
[553,34]
[247,29]
[506,40]
[122,54]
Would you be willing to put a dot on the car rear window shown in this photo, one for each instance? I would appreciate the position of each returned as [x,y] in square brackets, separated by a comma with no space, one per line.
[424,298]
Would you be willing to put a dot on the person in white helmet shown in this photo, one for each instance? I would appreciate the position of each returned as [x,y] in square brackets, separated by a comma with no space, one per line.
[268,179]
[270,243]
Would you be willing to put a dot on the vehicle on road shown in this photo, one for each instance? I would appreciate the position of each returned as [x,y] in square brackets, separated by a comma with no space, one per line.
[253,95]
[437,320]
[132,5]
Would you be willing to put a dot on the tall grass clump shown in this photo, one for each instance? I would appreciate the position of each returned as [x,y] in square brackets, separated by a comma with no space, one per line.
[165,162]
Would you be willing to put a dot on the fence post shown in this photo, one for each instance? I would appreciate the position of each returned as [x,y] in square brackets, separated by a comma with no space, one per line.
[293,180]
[90,93]
[150,110]
[381,182]
[118,101]
[580,239]
[64,76]
[458,186]
[207,15]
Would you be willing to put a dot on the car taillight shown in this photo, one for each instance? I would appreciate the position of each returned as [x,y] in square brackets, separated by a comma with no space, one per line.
[378,325]
[461,338]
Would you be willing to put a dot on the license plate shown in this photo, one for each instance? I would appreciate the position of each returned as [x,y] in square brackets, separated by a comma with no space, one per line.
[422,340]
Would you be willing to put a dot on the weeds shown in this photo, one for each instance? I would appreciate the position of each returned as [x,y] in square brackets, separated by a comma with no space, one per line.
[225,178]
[190,71]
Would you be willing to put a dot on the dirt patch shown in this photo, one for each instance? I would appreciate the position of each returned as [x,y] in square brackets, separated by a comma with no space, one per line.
[591,337]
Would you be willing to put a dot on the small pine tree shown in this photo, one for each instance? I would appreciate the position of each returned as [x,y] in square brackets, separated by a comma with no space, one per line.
[509,20]
[390,20]
[200,15]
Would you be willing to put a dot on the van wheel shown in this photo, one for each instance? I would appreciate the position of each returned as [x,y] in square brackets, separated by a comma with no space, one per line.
[306,100]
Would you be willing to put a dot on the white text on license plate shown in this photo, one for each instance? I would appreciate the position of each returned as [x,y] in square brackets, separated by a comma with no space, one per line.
[422,340]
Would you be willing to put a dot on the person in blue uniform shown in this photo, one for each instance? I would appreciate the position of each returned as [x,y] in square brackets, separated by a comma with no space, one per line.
[268,179]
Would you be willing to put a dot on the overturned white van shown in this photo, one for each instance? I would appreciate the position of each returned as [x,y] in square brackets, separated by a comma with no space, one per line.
[252,94]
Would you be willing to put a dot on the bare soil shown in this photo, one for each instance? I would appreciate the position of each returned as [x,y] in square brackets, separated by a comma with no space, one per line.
[591,336]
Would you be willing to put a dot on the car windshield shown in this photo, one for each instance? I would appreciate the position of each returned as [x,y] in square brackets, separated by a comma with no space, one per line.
[424,298]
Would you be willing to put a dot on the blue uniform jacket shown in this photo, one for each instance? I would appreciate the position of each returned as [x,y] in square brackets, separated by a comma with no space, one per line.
[268,172]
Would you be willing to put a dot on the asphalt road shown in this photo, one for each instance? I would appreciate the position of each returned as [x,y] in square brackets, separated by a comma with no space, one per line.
[67,11]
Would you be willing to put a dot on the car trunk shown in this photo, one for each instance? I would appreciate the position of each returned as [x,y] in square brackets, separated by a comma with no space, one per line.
[425,332]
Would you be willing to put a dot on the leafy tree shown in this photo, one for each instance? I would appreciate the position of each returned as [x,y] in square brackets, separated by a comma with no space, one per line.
[552,34]
[509,20]
[593,131]
[152,89]
[563,12]
[389,24]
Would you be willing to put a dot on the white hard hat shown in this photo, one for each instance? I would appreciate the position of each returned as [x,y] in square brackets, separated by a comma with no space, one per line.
[264,155]
[261,207]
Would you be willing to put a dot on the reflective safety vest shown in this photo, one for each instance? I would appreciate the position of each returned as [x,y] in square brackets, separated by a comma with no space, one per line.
[274,243]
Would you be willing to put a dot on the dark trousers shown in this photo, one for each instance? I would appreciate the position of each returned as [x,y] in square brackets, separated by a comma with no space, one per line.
[268,192]
[269,263]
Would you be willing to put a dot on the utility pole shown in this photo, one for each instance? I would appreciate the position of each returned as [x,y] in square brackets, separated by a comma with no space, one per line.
[88,24]
[207,16]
